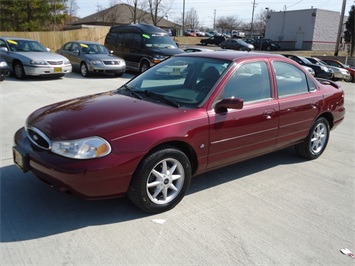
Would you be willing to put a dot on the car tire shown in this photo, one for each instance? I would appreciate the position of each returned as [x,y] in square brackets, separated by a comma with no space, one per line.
[204,43]
[118,75]
[268,48]
[350,79]
[84,70]
[315,143]
[19,71]
[241,49]
[161,180]
[2,77]
[144,66]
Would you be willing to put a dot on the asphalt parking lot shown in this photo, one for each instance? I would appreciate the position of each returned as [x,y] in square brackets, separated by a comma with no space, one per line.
[277,209]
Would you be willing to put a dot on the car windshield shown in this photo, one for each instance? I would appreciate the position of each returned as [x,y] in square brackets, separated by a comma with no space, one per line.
[159,40]
[305,60]
[25,46]
[93,48]
[186,81]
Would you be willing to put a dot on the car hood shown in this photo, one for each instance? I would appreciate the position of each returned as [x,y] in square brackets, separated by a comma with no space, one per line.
[100,115]
[47,56]
[166,51]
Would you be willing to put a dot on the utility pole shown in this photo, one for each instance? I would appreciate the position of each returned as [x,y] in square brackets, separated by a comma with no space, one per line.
[214,19]
[183,18]
[252,20]
[340,29]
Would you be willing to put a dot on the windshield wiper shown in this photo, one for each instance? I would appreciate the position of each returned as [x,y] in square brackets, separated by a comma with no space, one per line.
[162,97]
[132,92]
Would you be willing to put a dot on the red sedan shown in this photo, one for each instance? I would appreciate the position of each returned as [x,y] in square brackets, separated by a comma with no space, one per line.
[187,115]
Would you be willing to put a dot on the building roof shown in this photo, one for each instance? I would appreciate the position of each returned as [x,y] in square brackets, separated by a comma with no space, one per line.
[122,14]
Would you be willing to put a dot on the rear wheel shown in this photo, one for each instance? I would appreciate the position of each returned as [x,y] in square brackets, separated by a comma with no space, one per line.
[19,71]
[161,180]
[316,142]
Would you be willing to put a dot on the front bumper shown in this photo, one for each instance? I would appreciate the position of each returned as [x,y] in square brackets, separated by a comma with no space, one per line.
[104,177]
[47,70]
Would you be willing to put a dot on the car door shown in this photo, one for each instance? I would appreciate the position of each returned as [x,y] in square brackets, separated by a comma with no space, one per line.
[240,134]
[299,100]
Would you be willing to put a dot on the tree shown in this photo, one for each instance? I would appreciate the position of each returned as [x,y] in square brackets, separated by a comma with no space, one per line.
[191,19]
[158,10]
[32,15]
[227,23]
[349,34]
[138,9]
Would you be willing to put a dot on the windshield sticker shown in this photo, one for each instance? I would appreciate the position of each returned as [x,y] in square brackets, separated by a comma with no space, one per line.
[146,36]
[11,41]
[84,45]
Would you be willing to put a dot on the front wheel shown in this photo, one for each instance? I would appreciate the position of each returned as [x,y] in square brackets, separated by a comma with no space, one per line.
[161,180]
[349,79]
[19,71]
[316,142]
[84,70]
[144,66]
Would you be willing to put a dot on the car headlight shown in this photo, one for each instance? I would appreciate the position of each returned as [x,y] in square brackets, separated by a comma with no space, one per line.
[66,62]
[95,62]
[3,64]
[87,148]
[158,58]
[38,62]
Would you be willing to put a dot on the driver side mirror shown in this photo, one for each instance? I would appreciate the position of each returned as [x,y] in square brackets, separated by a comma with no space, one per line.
[232,103]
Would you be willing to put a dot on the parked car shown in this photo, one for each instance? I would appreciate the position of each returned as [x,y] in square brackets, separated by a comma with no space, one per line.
[140,45]
[338,73]
[265,44]
[320,71]
[91,57]
[337,63]
[216,40]
[27,57]
[237,44]
[4,69]
[197,49]
[149,137]
[310,70]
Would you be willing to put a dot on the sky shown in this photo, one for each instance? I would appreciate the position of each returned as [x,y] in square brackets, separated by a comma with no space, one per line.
[208,10]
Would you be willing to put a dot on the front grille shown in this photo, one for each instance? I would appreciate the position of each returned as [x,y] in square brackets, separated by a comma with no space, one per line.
[111,62]
[38,138]
[55,63]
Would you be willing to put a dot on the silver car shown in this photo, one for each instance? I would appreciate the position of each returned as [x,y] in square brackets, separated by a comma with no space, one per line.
[90,57]
[27,57]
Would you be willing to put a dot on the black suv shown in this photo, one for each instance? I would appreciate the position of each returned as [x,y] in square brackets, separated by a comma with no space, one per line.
[213,40]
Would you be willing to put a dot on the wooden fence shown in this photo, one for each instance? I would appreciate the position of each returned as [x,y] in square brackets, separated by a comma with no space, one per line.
[55,39]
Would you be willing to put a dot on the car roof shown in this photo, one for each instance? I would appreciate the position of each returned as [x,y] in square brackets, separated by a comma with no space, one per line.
[86,42]
[17,38]
[233,55]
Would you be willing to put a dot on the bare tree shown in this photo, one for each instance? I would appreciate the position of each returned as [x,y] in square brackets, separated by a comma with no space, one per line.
[227,23]
[138,9]
[158,10]
[72,8]
[191,19]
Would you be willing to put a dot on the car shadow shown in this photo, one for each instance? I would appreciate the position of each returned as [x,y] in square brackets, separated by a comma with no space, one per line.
[31,210]
[71,75]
